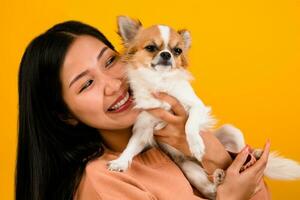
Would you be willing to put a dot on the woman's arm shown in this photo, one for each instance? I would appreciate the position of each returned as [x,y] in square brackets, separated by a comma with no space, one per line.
[215,154]
[174,134]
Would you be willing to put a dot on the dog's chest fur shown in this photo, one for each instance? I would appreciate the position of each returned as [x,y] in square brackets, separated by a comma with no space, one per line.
[144,81]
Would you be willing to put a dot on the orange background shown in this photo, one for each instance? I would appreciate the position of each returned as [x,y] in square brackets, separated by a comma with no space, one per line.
[245,57]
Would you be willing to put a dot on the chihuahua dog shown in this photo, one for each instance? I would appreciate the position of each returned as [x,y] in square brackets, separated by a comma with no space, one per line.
[156,60]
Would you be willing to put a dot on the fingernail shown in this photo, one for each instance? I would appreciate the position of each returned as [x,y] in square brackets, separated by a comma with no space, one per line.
[246,149]
[155,94]
[268,143]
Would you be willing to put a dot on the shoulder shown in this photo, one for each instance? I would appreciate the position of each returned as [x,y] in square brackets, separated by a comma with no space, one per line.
[99,183]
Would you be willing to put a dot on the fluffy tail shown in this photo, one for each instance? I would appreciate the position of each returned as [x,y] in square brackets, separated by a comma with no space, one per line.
[282,168]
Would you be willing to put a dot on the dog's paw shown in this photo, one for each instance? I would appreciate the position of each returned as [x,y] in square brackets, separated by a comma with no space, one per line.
[118,165]
[257,153]
[218,176]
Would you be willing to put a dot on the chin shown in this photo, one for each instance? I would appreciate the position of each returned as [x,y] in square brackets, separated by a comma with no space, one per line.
[124,121]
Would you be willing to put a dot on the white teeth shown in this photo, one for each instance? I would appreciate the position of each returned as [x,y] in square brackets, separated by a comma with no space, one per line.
[120,103]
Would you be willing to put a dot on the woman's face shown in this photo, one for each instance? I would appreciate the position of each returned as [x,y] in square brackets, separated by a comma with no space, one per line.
[94,85]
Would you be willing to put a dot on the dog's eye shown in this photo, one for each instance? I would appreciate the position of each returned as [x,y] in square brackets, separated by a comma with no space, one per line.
[177,51]
[151,48]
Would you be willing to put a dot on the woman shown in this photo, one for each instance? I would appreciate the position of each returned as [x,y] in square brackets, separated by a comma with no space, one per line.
[69,79]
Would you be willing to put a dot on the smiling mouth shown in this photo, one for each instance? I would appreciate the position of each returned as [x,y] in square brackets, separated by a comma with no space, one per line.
[122,103]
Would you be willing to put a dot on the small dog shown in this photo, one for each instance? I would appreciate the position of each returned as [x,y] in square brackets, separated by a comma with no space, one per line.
[156,60]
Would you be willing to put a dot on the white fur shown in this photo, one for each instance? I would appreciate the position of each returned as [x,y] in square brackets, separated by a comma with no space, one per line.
[198,177]
[165,34]
[187,39]
[282,168]
[231,137]
[143,81]
[277,167]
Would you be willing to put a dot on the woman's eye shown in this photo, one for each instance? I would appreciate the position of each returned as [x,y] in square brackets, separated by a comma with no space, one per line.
[151,48]
[86,85]
[110,61]
[177,51]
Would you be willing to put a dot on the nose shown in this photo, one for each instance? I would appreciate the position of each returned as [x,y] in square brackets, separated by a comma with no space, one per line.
[112,86]
[165,55]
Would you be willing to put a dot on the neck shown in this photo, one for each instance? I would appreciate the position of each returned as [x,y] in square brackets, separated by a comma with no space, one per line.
[116,140]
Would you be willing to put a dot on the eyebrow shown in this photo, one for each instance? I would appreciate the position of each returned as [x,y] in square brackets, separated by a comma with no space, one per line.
[87,71]
[101,52]
[78,77]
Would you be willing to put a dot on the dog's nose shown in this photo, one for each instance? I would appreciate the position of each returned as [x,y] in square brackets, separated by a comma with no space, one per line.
[165,55]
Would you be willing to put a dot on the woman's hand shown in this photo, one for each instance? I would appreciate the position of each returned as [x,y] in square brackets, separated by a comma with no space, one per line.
[243,185]
[174,132]
[235,183]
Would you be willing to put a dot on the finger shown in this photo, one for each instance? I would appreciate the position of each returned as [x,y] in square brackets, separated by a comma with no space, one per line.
[241,158]
[176,106]
[164,132]
[256,190]
[260,186]
[249,162]
[260,165]
[161,139]
[163,115]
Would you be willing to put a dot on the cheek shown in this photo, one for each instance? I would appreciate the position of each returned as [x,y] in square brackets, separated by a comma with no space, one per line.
[178,61]
[181,61]
[87,107]
[118,69]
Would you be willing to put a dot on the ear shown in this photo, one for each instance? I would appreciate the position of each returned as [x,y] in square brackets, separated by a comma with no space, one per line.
[128,28]
[186,36]
[72,121]
[68,119]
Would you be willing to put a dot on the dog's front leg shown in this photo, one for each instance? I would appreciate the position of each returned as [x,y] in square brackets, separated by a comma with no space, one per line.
[142,137]
[198,120]
[199,179]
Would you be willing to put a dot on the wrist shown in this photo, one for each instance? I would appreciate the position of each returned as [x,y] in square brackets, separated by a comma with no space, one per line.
[224,194]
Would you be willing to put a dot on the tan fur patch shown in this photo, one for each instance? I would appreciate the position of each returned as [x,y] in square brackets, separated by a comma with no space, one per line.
[138,57]
[135,53]
[176,40]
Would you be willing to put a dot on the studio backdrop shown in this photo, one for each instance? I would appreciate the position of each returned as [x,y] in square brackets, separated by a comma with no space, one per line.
[245,58]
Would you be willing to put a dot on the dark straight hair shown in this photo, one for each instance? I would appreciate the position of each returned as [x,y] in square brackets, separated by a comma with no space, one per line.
[51,154]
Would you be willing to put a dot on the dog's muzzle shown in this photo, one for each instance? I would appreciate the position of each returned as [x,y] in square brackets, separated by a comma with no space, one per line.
[164,59]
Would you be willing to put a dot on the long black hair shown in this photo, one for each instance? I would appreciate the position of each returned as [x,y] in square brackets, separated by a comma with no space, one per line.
[51,154]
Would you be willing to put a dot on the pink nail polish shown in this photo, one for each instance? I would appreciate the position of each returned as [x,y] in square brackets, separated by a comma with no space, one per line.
[246,150]
[154,94]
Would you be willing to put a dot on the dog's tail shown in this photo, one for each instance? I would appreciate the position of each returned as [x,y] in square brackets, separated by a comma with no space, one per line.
[282,168]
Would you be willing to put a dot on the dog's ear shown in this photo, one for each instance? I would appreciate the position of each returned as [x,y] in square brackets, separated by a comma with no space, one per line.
[186,36]
[128,28]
